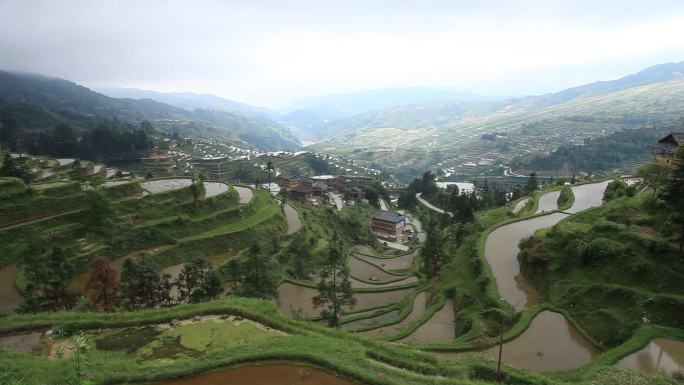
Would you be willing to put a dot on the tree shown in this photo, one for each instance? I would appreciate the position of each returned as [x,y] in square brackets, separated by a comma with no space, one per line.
[655,175]
[141,286]
[64,140]
[9,168]
[197,282]
[334,288]
[257,279]
[98,214]
[674,194]
[101,284]
[47,277]
[532,184]
[432,253]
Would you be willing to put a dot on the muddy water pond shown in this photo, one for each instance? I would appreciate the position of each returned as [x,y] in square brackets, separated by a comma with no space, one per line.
[214,188]
[587,196]
[163,185]
[660,356]
[548,202]
[25,342]
[356,284]
[293,221]
[245,193]
[501,251]
[9,295]
[365,271]
[419,305]
[293,298]
[439,328]
[370,322]
[174,271]
[550,344]
[275,374]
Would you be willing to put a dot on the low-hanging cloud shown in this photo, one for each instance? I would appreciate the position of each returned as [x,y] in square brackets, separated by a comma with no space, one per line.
[270,52]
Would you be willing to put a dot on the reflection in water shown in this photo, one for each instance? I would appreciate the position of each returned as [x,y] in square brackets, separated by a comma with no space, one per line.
[548,202]
[661,356]
[276,374]
[587,196]
[9,295]
[245,193]
[214,188]
[439,328]
[293,298]
[549,344]
[419,304]
[293,221]
[501,251]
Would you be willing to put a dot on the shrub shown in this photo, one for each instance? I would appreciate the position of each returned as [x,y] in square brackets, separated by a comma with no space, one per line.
[600,249]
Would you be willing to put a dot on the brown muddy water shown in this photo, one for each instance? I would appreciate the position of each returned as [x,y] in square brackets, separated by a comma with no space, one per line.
[370,322]
[271,374]
[214,188]
[9,295]
[25,342]
[550,344]
[174,271]
[245,193]
[501,251]
[397,263]
[365,271]
[419,305]
[587,196]
[293,221]
[356,284]
[292,298]
[439,328]
[660,356]
[548,202]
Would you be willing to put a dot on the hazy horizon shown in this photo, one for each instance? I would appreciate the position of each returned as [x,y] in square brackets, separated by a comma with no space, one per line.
[270,54]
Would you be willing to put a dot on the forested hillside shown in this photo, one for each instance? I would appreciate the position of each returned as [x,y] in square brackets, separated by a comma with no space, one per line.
[33,103]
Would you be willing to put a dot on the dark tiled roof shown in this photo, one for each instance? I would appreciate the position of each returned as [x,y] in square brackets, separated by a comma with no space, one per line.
[389,216]
[677,137]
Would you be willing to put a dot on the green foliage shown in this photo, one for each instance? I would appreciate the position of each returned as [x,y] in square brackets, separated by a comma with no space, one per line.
[334,288]
[618,188]
[258,279]
[601,249]
[142,286]
[98,213]
[602,154]
[198,282]
[47,277]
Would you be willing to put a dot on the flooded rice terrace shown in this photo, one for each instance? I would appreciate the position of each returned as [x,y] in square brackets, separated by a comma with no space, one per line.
[294,298]
[214,188]
[163,185]
[660,356]
[294,223]
[276,374]
[548,202]
[9,295]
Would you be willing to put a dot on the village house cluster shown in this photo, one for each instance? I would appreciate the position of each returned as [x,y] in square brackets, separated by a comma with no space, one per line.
[311,189]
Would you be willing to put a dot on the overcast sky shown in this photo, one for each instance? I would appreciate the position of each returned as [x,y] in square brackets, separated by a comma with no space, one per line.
[272,52]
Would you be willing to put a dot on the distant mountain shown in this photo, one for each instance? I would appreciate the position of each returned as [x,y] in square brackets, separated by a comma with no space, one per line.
[306,123]
[188,101]
[654,74]
[471,138]
[37,102]
[364,101]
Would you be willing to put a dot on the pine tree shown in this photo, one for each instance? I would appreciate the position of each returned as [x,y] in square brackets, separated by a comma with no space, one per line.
[334,288]
[257,279]
[198,282]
